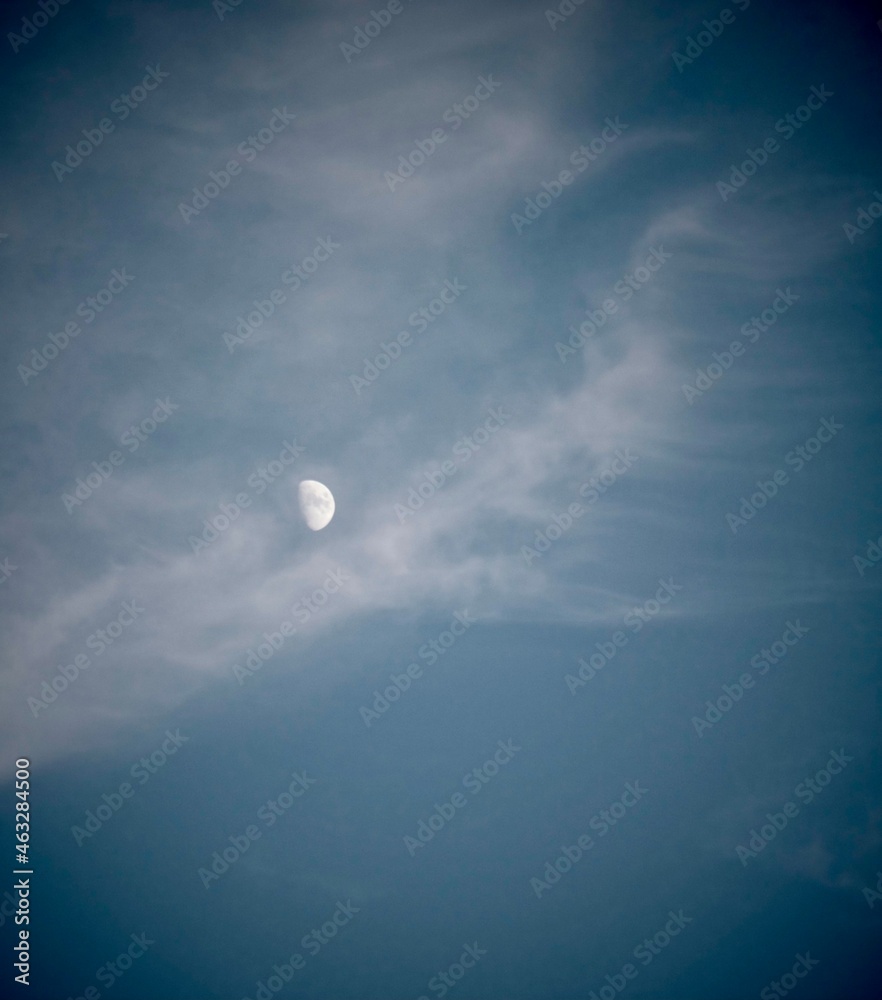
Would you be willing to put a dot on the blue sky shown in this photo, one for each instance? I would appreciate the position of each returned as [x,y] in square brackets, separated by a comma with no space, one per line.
[584,339]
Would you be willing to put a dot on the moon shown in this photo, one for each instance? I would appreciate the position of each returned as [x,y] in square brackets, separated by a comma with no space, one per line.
[316,504]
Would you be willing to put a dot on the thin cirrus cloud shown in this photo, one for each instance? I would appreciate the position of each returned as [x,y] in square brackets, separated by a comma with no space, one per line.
[324,177]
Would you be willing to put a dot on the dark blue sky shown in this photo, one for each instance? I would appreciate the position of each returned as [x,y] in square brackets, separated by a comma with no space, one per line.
[584,338]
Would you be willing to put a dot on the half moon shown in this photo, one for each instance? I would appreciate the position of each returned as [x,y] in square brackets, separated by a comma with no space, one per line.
[316,504]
